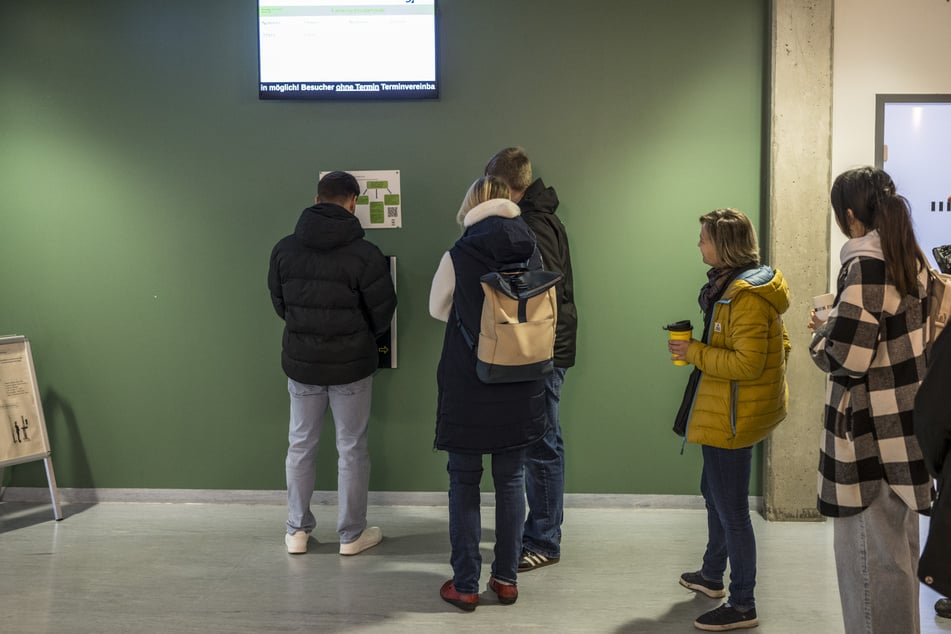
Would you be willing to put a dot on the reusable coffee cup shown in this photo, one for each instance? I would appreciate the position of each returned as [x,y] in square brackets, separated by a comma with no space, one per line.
[823,305]
[679,331]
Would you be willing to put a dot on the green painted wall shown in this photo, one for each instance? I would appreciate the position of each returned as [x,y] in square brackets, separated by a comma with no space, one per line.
[142,186]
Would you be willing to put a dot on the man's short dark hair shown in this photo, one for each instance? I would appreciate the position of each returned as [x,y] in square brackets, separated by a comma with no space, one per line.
[337,187]
[512,166]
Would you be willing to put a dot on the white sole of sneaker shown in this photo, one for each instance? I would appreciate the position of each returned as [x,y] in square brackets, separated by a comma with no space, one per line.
[713,594]
[532,561]
[742,625]
[368,539]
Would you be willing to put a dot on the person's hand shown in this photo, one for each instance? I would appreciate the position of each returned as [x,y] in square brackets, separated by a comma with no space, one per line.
[814,322]
[678,349]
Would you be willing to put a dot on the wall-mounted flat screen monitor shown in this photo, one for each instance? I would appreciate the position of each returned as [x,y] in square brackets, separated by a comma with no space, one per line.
[347,49]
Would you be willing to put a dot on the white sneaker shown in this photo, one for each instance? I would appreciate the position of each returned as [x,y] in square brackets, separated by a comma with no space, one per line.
[296,543]
[370,537]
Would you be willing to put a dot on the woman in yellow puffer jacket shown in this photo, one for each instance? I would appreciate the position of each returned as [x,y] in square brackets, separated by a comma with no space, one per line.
[738,396]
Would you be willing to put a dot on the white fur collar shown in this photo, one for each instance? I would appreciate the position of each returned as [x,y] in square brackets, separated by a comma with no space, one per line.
[495,207]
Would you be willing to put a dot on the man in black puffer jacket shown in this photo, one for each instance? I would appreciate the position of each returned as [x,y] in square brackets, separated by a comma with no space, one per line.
[334,292]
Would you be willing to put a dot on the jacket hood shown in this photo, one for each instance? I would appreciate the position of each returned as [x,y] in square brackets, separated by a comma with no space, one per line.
[539,198]
[766,282]
[327,226]
[496,234]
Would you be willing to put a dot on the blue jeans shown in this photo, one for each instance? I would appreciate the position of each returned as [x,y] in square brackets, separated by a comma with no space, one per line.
[725,484]
[350,404]
[465,519]
[545,479]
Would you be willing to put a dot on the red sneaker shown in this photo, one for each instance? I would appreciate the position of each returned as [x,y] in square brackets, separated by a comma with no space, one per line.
[507,593]
[449,594]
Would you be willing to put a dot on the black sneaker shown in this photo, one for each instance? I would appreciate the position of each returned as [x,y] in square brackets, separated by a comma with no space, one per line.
[726,617]
[943,608]
[695,581]
[531,560]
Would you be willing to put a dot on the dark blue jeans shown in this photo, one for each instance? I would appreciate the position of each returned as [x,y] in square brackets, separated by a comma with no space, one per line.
[465,518]
[545,479]
[725,485]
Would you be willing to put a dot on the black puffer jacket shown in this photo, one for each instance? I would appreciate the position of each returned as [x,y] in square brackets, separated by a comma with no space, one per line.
[538,207]
[334,292]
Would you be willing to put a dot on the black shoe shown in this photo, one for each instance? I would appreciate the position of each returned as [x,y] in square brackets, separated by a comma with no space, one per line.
[695,581]
[726,617]
[943,608]
[531,560]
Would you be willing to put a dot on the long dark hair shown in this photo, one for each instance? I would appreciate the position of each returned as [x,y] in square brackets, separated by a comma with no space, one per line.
[870,193]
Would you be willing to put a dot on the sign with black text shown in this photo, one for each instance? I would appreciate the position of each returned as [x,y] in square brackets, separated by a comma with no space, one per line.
[23,434]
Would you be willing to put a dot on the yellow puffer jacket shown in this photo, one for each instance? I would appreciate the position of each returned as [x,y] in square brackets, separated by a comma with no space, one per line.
[742,393]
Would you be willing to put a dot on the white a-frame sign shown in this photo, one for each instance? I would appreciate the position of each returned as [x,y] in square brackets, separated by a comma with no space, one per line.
[22,426]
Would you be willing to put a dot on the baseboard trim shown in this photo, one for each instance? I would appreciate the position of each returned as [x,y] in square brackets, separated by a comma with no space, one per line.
[376,498]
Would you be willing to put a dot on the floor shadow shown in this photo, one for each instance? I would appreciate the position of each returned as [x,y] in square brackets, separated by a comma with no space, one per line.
[430,543]
[61,419]
[16,515]
[354,602]
[679,618]
[418,544]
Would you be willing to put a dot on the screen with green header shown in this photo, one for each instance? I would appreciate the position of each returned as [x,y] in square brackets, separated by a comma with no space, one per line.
[347,49]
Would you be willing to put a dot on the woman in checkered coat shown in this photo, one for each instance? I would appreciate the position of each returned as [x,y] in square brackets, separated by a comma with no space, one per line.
[872,477]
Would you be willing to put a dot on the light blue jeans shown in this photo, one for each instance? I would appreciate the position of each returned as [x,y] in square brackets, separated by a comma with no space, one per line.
[876,560]
[350,404]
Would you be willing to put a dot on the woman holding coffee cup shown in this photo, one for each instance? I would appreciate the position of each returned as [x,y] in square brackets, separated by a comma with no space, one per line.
[738,397]
[872,477]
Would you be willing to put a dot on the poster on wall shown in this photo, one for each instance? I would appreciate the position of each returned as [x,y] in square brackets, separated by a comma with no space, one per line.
[24,431]
[916,133]
[379,205]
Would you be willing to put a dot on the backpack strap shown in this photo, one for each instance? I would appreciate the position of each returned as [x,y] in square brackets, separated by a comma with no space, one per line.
[465,332]
[936,307]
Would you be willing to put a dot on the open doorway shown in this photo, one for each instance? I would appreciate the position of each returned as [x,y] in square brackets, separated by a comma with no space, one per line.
[913,144]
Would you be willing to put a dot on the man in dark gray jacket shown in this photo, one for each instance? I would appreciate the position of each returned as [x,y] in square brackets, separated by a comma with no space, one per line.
[334,292]
[545,460]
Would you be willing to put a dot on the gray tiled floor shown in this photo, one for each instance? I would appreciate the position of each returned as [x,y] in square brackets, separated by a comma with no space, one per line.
[128,567]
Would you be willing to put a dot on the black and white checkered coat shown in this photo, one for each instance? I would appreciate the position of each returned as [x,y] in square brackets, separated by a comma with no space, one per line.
[872,346]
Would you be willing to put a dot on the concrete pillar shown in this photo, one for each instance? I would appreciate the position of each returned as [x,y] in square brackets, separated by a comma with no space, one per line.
[800,138]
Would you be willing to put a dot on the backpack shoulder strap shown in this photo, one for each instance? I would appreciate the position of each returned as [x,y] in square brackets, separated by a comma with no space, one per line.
[466,335]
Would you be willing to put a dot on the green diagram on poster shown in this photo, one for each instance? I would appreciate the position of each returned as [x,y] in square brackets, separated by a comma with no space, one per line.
[379,205]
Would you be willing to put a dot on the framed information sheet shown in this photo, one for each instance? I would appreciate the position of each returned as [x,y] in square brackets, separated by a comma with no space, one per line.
[23,436]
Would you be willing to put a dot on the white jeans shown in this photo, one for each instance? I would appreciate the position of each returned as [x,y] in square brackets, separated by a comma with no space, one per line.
[350,404]
[876,559]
